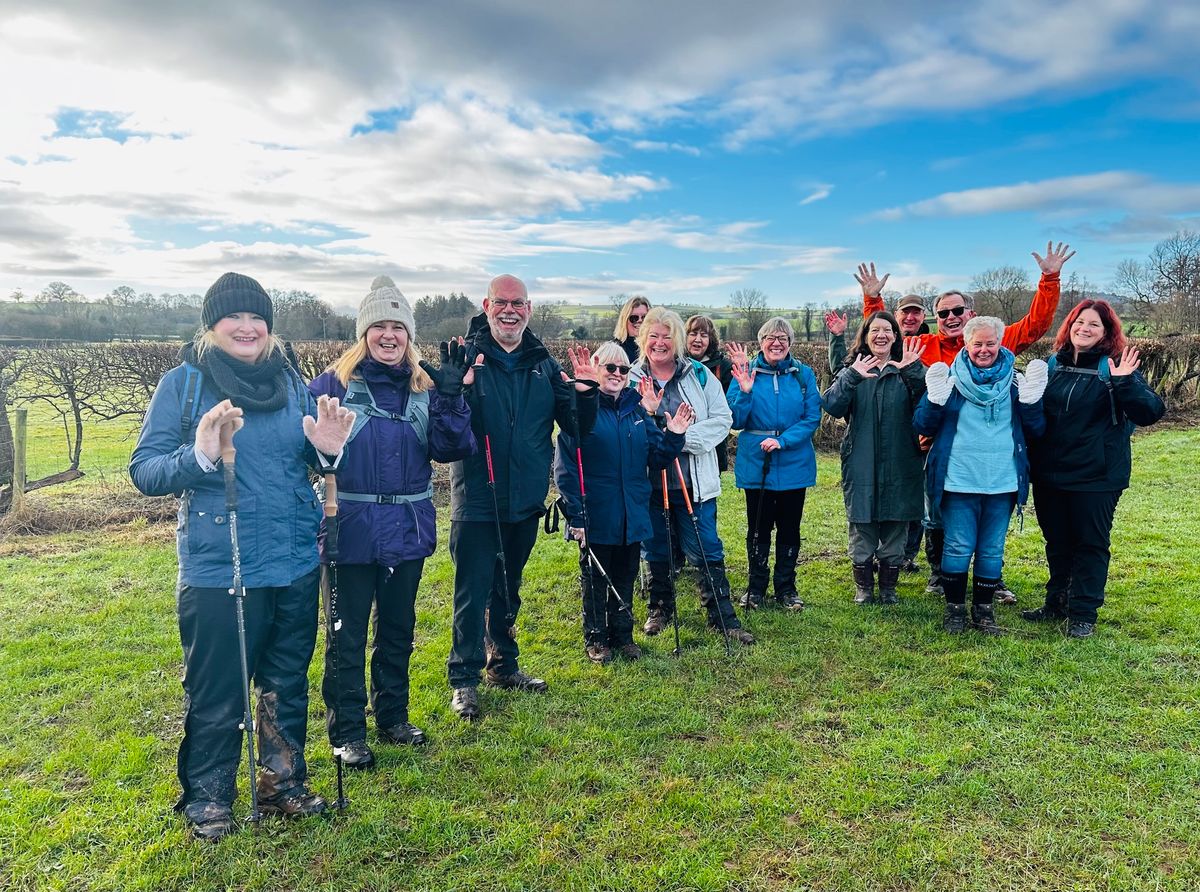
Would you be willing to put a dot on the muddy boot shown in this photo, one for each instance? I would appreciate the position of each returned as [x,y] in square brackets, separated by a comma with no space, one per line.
[864,583]
[983,610]
[954,621]
[758,555]
[889,575]
[662,598]
[786,595]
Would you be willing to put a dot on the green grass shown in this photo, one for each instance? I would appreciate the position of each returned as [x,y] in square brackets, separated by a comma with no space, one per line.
[852,749]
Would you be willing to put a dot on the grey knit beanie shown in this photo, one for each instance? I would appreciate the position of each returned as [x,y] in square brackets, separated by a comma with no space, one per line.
[383,303]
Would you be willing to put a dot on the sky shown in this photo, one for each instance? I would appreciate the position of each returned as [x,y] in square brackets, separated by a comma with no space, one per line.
[681,150]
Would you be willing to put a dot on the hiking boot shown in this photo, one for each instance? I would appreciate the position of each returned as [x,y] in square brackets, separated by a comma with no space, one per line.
[750,601]
[355,754]
[910,566]
[758,555]
[213,824]
[404,734]
[515,681]
[1004,595]
[983,619]
[1053,611]
[298,803]
[783,577]
[630,651]
[934,585]
[464,703]
[864,584]
[598,653]
[889,576]
[1077,628]
[954,620]
[657,619]
[789,601]
[741,636]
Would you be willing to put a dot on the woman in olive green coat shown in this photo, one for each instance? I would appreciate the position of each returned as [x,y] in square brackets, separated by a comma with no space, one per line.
[876,391]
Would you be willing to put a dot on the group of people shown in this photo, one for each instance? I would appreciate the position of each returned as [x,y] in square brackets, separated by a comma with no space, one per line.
[940,439]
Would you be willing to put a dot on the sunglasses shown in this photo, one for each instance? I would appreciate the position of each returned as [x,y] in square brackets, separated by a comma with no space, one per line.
[612,368]
[637,320]
[945,314]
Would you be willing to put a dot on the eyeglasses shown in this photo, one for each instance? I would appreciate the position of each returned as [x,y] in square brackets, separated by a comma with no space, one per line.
[517,305]
[613,368]
[775,339]
[945,314]
[637,320]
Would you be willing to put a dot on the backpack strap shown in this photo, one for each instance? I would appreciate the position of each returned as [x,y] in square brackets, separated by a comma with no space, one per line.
[189,401]
[361,402]
[1103,371]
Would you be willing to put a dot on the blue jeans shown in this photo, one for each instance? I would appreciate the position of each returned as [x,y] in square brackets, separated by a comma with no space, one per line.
[975,523]
[657,548]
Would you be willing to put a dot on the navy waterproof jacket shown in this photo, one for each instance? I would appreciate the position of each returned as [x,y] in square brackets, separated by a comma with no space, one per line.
[386,458]
[624,445]
[940,422]
[278,514]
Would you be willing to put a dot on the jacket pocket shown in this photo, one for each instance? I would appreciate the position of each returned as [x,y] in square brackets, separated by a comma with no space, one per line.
[306,521]
[205,537]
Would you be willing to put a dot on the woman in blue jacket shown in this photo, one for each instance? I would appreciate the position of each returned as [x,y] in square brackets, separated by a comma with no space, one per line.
[980,411]
[624,444]
[235,380]
[386,514]
[776,404]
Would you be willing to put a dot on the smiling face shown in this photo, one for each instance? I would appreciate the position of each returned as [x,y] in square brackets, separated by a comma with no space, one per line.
[910,319]
[508,309]
[242,335]
[880,337]
[1087,330]
[952,315]
[983,347]
[636,315]
[775,346]
[697,342]
[614,376]
[387,341]
[660,347]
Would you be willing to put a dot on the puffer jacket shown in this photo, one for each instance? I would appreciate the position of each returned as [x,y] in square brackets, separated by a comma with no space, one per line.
[622,447]
[278,514]
[386,458]
[784,403]
[515,408]
[1085,446]
[702,391]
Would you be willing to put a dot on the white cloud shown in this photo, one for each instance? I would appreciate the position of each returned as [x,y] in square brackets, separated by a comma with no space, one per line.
[820,191]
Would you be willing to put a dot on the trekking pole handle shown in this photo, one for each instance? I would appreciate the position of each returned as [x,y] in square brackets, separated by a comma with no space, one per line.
[579,465]
[487,448]
[228,460]
[687,500]
[666,498]
[331,517]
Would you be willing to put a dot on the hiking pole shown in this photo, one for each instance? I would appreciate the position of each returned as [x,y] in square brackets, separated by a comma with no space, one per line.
[228,462]
[670,560]
[687,501]
[333,622]
[500,556]
[762,497]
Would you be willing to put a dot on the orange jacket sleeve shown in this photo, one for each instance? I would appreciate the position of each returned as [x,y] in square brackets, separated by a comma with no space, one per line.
[872,304]
[1037,321]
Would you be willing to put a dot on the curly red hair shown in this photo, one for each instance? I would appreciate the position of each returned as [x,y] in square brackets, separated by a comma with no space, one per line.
[1113,342]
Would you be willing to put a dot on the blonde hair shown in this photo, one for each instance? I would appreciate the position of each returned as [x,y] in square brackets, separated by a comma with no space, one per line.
[344,366]
[669,318]
[611,351]
[206,339]
[621,330]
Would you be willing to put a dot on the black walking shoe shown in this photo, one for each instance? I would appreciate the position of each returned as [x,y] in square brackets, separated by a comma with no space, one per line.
[1043,614]
[983,619]
[657,619]
[630,651]
[464,702]
[405,734]
[355,754]
[751,601]
[516,681]
[1077,628]
[910,566]
[598,653]
[213,824]
[954,620]
[298,803]
[789,601]
[934,585]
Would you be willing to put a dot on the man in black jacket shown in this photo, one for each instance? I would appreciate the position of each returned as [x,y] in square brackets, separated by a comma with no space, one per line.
[520,391]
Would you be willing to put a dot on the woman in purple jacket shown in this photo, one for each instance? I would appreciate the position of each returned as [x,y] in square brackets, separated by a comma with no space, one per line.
[408,412]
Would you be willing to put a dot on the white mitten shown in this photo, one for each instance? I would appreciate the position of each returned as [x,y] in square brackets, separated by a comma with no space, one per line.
[939,383]
[1032,384]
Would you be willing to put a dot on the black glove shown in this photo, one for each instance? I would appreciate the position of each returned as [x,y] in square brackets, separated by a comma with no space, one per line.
[449,378]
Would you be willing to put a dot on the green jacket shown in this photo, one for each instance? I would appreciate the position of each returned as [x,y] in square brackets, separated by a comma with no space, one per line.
[882,463]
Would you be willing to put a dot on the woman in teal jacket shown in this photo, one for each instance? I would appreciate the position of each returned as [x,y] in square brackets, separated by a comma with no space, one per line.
[234,379]
[776,404]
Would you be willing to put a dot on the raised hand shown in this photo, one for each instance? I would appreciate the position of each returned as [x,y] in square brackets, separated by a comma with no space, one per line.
[219,423]
[651,395]
[584,367]
[1130,361]
[1053,262]
[913,348]
[328,432]
[835,323]
[1032,384]
[863,364]
[872,285]
[682,419]
[451,378]
[939,383]
[741,367]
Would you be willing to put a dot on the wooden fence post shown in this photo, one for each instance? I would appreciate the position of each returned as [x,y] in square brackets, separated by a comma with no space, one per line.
[18,477]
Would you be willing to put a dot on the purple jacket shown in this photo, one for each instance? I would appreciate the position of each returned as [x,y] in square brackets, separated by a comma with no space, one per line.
[387,459]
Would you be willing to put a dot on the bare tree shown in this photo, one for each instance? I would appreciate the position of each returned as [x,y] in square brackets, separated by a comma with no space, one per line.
[10,371]
[1166,288]
[1002,291]
[750,305]
[546,320]
[926,290]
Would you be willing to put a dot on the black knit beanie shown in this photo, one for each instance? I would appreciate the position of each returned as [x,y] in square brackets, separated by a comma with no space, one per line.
[235,293]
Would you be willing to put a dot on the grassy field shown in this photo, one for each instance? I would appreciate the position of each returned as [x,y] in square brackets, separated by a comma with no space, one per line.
[852,749]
